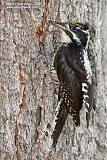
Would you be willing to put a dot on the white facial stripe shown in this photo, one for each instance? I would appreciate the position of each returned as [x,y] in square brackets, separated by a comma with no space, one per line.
[86,31]
[65,38]
[75,37]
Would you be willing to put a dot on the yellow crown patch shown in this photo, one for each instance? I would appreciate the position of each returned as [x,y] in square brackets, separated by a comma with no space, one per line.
[75,21]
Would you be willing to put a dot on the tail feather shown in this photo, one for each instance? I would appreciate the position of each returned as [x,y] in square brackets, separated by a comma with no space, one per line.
[59,121]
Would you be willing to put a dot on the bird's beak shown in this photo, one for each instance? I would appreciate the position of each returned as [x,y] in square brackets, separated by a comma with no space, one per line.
[58,25]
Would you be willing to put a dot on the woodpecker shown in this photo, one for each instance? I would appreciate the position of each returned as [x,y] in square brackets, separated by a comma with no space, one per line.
[74,72]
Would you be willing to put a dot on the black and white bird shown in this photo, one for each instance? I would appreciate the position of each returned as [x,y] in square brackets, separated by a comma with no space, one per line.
[74,73]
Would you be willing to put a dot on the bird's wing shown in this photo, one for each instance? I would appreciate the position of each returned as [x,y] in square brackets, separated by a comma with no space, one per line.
[71,87]
[74,80]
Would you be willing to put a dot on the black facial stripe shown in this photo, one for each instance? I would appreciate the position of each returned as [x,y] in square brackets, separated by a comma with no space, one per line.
[73,26]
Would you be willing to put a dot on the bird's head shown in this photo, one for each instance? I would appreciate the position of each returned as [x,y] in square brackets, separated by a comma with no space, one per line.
[73,31]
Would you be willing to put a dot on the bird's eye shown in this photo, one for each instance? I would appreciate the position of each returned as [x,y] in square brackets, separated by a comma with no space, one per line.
[72,27]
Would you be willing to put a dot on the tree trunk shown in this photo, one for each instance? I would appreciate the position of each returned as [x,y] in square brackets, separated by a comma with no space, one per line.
[27,93]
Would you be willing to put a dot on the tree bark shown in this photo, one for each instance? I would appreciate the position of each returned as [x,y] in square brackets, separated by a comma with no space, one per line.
[27,93]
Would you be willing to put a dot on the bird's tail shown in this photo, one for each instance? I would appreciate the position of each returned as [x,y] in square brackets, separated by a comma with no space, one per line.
[59,121]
